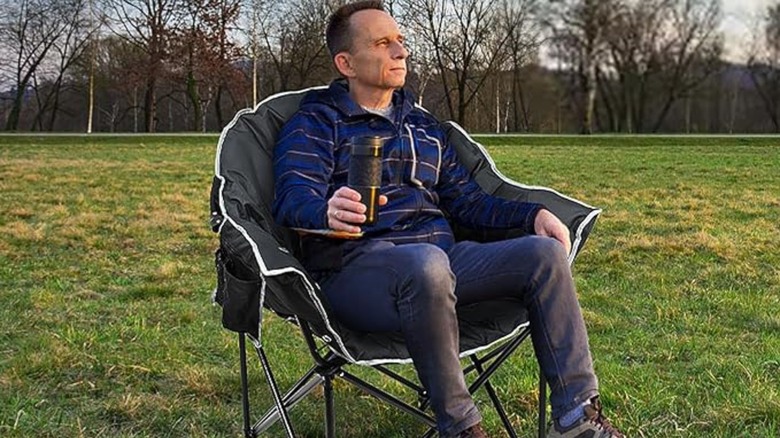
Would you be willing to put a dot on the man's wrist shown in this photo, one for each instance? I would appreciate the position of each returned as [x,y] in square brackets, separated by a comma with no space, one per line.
[532,215]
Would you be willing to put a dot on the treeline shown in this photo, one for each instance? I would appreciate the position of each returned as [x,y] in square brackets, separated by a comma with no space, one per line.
[562,66]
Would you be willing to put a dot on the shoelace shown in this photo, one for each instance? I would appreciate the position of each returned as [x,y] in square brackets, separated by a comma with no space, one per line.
[600,420]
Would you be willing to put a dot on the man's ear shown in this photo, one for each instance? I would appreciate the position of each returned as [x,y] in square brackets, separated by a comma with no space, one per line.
[343,64]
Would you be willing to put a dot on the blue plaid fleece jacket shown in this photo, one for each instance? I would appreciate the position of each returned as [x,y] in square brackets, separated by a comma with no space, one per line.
[421,175]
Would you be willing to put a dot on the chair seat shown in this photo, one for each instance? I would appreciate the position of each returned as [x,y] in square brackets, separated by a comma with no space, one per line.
[481,325]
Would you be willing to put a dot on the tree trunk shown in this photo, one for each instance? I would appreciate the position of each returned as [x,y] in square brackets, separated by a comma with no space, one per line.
[461,117]
[589,89]
[38,120]
[522,121]
[56,106]
[606,98]
[193,95]
[218,108]
[447,90]
[12,124]
[150,104]
[135,109]
[662,115]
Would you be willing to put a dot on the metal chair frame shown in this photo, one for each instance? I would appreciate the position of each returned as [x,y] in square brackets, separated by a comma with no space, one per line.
[329,366]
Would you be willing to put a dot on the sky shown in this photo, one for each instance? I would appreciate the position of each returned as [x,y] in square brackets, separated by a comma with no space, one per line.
[741,21]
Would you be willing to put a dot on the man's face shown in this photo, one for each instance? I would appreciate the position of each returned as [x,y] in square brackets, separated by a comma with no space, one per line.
[377,58]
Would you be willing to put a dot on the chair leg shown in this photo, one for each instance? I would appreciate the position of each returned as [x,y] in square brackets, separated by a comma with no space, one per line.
[494,398]
[275,391]
[308,383]
[387,398]
[330,414]
[248,432]
[542,405]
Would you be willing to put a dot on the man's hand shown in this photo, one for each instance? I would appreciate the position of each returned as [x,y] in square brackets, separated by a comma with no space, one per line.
[547,224]
[345,210]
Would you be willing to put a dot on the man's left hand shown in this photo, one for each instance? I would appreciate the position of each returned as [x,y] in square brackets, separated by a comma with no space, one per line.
[547,224]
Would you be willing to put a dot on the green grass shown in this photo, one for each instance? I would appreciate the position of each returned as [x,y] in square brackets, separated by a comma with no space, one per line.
[106,326]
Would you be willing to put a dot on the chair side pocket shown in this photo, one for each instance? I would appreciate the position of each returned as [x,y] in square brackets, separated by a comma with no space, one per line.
[239,298]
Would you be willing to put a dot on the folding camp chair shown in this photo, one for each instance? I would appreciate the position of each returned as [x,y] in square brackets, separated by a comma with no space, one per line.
[257,264]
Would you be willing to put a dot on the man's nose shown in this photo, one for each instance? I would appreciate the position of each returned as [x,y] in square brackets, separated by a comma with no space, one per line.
[399,51]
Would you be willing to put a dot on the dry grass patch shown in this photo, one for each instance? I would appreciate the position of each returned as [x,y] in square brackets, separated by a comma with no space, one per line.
[171,269]
[20,212]
[200,382]
[24,231]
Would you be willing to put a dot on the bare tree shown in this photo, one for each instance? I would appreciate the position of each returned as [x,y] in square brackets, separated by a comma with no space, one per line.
[65,52]
[292,36]
[252,27]
[421,62]
[147,24]
[29,31]
[188,46]
[693,52]
[118,80]
[468,42]
[204,54]
[579,29]
[635,40]
[658,52]
[764,66]
[221,19]
[518,19]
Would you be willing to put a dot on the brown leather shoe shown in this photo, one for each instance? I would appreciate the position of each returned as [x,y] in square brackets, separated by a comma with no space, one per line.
[474,431]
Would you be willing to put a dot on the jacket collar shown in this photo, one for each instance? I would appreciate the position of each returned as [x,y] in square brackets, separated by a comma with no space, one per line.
[337,96]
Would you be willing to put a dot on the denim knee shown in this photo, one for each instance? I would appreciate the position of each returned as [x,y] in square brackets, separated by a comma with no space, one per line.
[547,252]
[427,268]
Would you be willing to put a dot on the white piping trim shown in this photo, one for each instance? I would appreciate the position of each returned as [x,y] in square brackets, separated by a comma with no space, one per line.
[258,258]
[420,107]
[507,180]
[578,235]
[413,176]
[256,342]
[575,246]
[438,147]
[260,309]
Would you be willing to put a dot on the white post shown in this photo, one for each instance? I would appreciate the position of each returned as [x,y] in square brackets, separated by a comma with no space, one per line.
[498,109]
[91,66]
[254,53]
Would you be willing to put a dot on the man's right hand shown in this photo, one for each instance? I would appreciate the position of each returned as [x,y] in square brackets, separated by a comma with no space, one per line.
[345,210]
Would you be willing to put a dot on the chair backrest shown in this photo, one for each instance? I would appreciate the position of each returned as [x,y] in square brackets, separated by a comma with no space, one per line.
[241,199]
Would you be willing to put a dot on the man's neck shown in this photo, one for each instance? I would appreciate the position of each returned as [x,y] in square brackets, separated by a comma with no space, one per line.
[373,99]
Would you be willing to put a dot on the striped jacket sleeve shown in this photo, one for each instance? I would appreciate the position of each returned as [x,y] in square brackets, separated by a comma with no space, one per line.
[467,204]
[303,165]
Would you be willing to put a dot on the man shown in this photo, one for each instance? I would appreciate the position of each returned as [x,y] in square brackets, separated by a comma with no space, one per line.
[416,273]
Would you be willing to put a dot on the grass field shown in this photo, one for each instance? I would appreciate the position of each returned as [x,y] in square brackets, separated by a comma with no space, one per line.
[106,325]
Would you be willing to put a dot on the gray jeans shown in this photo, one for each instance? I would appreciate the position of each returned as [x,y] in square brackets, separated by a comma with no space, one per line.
[417,288]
